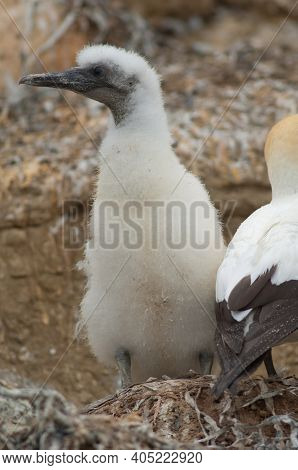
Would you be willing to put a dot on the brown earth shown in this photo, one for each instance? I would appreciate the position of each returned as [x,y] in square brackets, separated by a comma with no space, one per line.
[47,157]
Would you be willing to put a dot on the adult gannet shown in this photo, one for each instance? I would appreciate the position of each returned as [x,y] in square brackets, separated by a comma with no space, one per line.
[149,302]
[257,282]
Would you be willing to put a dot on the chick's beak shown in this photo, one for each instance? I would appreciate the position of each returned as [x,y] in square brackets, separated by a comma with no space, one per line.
[76,79]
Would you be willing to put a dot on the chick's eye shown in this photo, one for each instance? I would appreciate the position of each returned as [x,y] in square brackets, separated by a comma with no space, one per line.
[97,71]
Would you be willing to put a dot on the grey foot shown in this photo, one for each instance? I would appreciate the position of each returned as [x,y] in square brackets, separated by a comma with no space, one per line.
[269,364]
[206,362]
[123,360]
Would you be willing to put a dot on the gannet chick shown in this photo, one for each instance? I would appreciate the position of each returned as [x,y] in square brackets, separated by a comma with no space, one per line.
[148,306]
[257,283]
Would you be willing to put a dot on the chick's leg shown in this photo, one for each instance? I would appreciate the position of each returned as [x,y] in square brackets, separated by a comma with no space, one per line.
[206,362]
[123,360]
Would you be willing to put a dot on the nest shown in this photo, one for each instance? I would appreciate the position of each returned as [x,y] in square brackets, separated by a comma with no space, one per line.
[263,414]
[159,414]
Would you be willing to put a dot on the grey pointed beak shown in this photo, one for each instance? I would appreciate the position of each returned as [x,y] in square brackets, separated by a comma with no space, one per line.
[76,79]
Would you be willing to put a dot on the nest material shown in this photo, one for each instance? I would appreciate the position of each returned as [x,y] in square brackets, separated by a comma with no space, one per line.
[263,415]
[159,414]
[34,418]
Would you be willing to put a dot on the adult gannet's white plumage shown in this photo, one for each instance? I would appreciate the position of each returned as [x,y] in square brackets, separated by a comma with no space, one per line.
[257,282]
[150,308]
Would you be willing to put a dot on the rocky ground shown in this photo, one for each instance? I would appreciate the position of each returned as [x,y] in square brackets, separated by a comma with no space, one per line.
[227,79]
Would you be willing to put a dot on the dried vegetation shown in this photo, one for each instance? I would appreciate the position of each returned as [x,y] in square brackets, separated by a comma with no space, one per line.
[159,414]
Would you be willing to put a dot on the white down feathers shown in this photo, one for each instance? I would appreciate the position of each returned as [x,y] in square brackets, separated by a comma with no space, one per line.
[156,303]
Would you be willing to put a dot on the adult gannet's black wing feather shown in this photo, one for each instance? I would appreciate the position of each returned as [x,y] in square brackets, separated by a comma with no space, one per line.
[246,293]
[242,296]
[281,321]
[241,345]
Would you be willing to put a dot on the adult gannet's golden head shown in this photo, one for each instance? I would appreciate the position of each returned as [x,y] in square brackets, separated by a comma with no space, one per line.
[281,154]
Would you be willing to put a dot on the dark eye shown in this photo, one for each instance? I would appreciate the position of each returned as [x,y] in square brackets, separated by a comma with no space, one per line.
[98,71]
[132,81]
